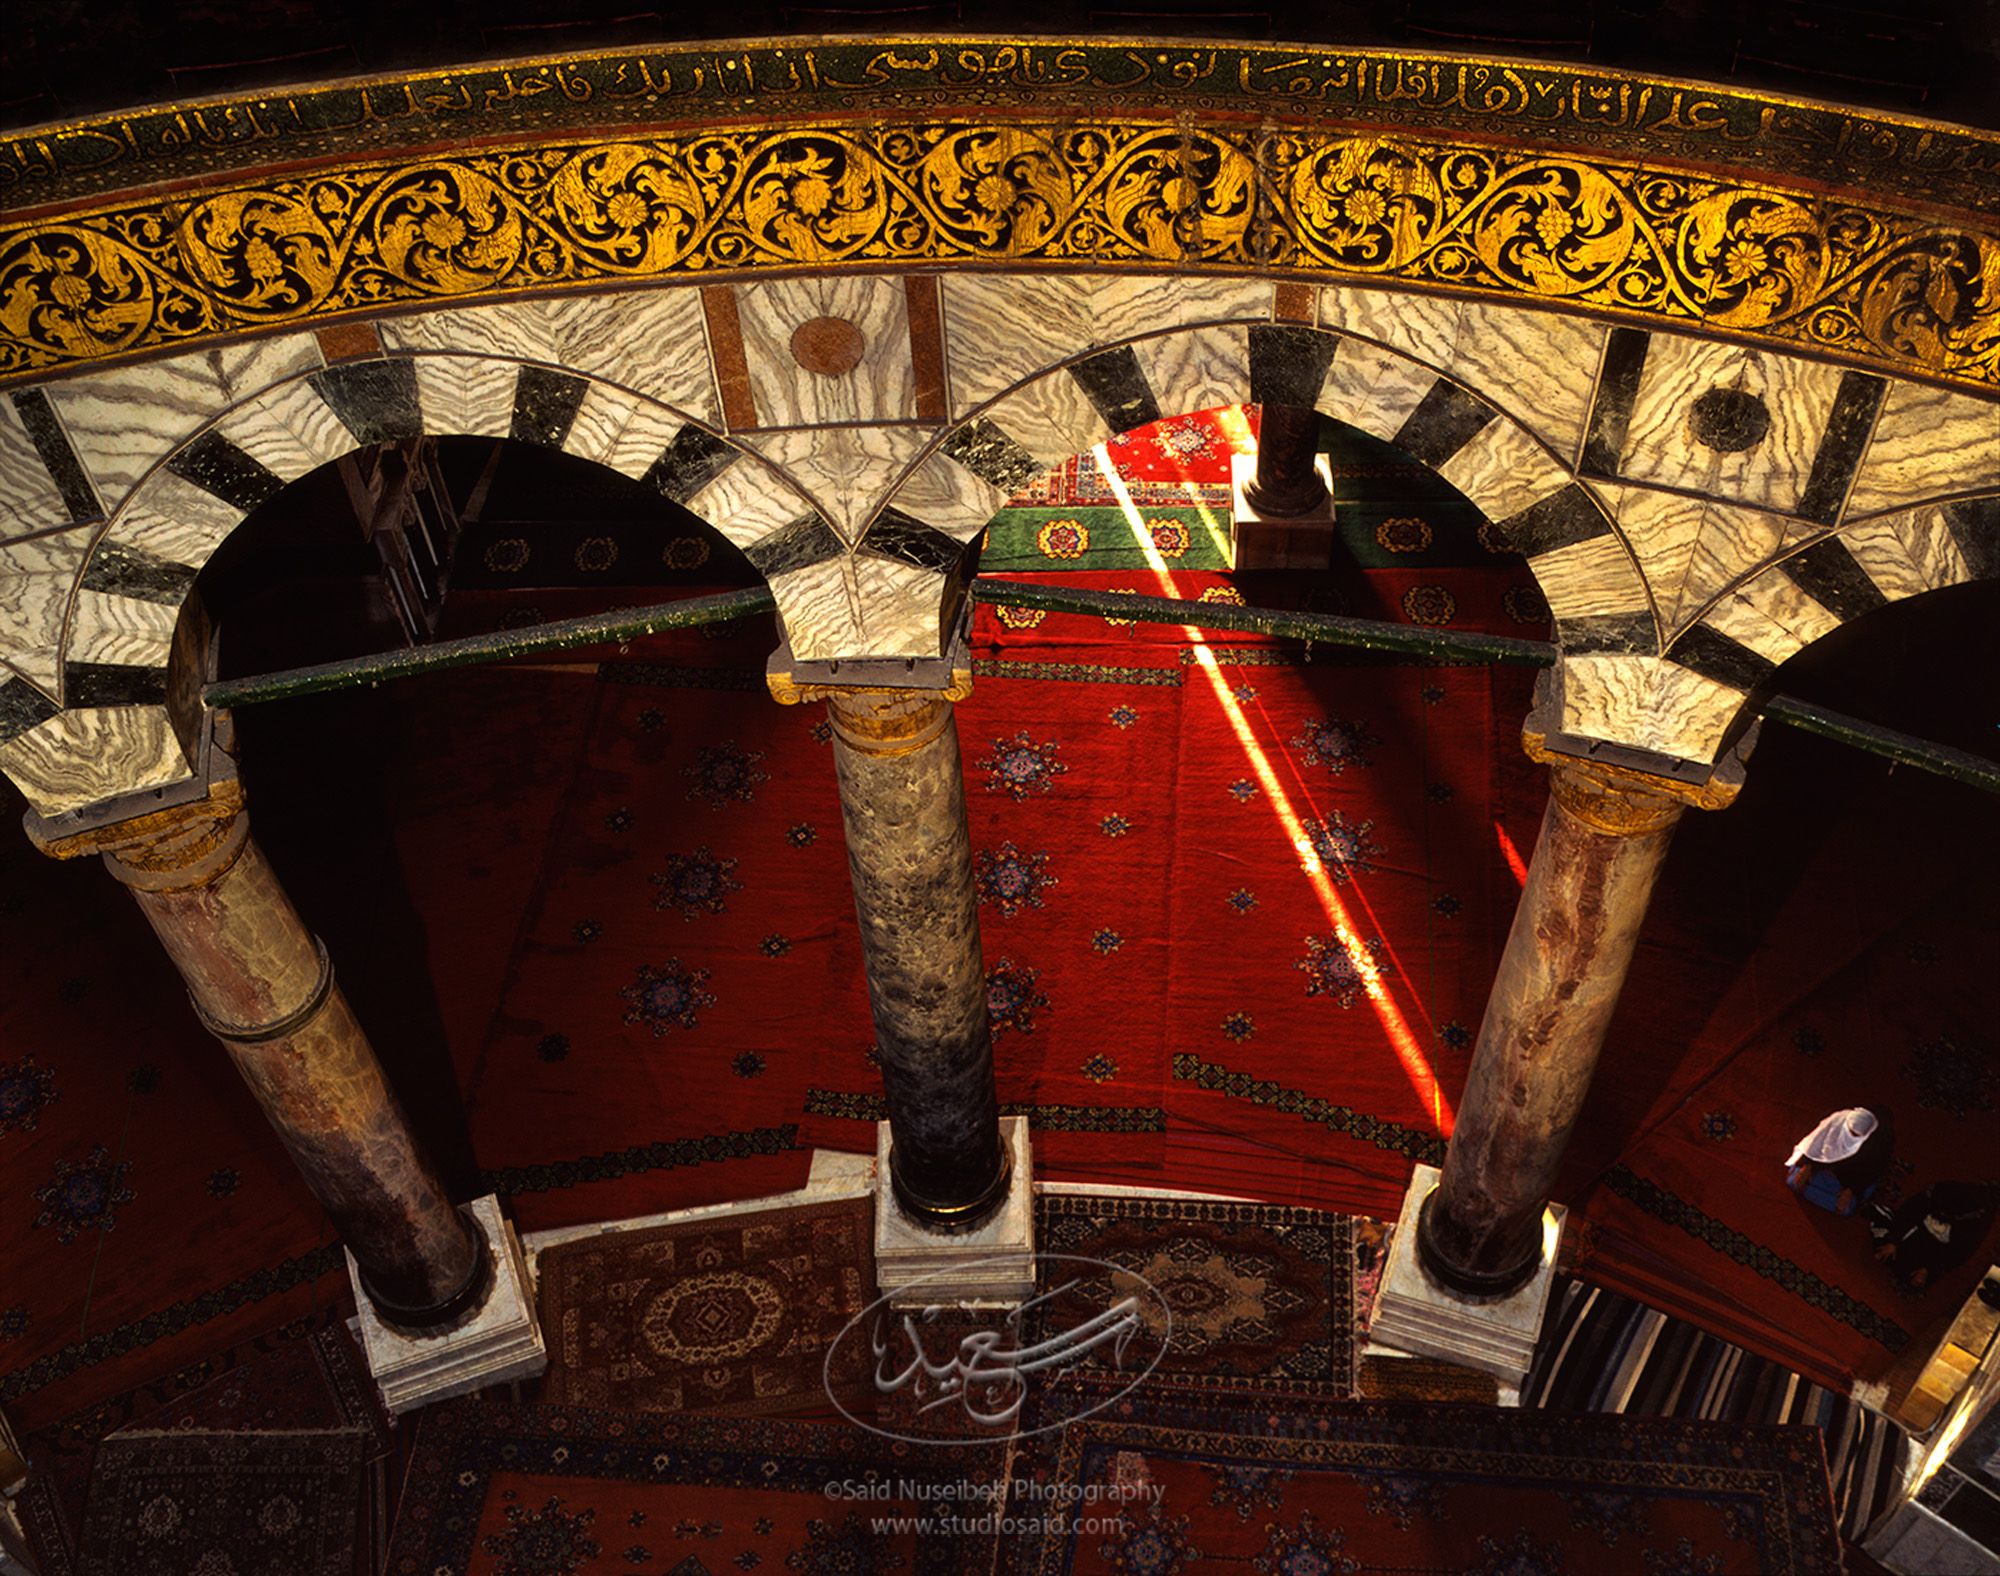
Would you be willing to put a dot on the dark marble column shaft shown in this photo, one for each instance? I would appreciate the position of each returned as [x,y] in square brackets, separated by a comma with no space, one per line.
[263,985]
[902,798]
[1287,481]
[1601,847]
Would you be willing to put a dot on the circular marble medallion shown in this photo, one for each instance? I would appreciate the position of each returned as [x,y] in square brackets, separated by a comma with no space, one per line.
[828,346]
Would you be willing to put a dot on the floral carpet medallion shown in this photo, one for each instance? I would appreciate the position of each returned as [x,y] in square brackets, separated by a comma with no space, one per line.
[1260,1296]
[732,1315]
[1317,1489]
[189,1503]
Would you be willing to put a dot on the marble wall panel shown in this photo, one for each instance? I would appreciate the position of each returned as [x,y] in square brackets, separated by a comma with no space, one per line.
[880,387]
[601,416]
[509,331]
[1422,326]
[1878,547]
[1538,367]
[1052,418]
[1661,529]
[172,519]
[289,430]
[1660,444]
[821,608]
[1749,625]
[120,630]
[848,473]
[948,497]
[30,500]
[1782,601]
[900,604]
[749,501]
[1932,547]
[1197,369]
[467,396]
[1731,544]
[1649,703]
[1373,389]
[82,757]
[36,579]
[1593,579]
[125,421]
[1503,470]
[1927,443]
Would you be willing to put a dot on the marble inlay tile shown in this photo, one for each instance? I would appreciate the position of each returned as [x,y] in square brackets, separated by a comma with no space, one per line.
[1538,367]
[88,684]
[1649,703]
[1422,326]
[1926,442]
[1503,470]
[22,705]
[545,403]
[1714,655]
[748,500]
[909,541]
[509,331]
[880,387]
[289,430]
[1373,389]
[1748,620]
[1560,520]
[650,340]
[1974,524]
[174,520]
[799,545]
[900,608]
[1662,443]
[693,459]
[125,421]
[1589,579]
[1288,363]
[1446,419]
[82,757]
[847,472]
[1732,542]
[1933,549]
[467,396]
[821,610]
[1002,328]
[1787,604]
[36,578]
[1828,573]
[1601,632]
[991,455]
[1052,418]
[119,630]
[602,416]
[1114,382]
[42,482]
[1662,529]
[946,496]
[123,571]
[1197,369]
[1855,406]
[1622,365]
[1878,548]
[376,401]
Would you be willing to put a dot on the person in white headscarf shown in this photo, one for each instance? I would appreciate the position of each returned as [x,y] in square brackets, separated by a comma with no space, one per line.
[1853,1145]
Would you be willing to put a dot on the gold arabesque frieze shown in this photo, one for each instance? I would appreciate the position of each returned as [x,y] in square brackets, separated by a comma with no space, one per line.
[1876,283]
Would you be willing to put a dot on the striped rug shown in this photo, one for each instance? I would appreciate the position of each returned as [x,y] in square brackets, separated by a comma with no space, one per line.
[1601,1352]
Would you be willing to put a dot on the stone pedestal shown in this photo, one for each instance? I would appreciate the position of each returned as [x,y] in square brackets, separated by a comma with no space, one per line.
[1419,1315]
[496,1341]
[1275,541]
[916,1264]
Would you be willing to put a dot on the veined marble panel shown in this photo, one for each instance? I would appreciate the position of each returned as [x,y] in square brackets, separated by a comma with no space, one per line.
[36,578]
[881,387]
[124,422]
[1732,543]
[1422,326]
[1503,470]
[847,472]
[120,629]
[1879,548]
[467,396]
[29,500]
[1748,625]
[1373,389]
[948,498]
[1781,600]
[1590,579]
[1052,418]
[1662,529]
[510,331]
[1926,443]
[175,520]
[648,432]
[899,608]
[1932,548]
[1198,368]
[749,501]
[1538,367]
[289,430]
[1660,444]
[821,608]
[1002,328]
[78,758]
[1647,702]
[601,417]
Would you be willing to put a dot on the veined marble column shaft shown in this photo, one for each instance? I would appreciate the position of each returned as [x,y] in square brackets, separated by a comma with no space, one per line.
[1602,843]
[902,798]
[263,985]
[1287,482]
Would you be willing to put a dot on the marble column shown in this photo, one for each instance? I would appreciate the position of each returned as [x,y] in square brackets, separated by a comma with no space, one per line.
[1287,482]
[902,799]
[263,985]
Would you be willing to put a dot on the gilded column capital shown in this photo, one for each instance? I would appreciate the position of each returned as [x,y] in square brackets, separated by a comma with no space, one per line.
[172,850]
[788,689]
[886,722]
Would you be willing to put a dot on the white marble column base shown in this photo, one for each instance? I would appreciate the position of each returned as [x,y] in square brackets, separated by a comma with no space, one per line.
[1419,1316]
[917,1265]
[495,1343]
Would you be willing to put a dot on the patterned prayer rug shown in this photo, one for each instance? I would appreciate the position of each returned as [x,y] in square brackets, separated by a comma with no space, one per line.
[1260,1296]
[733,1315]
[1166,1489]
[543,1491]
[188,1503]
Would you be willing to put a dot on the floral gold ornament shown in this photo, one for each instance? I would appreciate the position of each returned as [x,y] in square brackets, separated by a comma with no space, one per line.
[1856,277]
